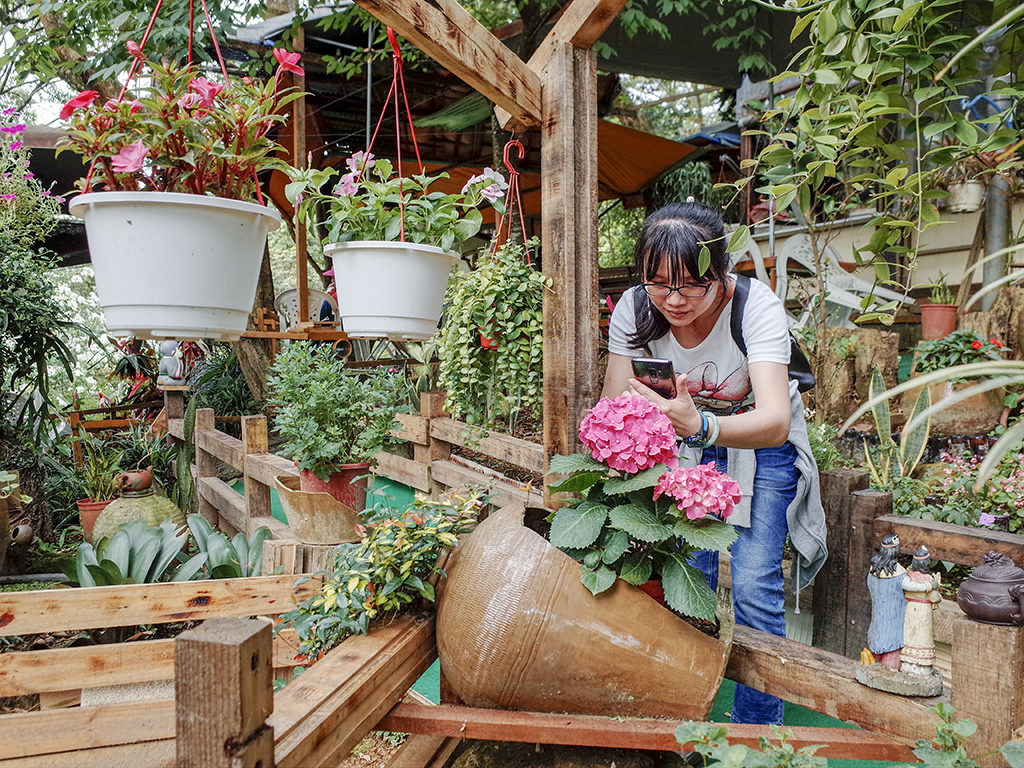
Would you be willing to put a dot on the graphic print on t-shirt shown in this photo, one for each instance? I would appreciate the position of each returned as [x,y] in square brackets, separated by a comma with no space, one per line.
[732,394]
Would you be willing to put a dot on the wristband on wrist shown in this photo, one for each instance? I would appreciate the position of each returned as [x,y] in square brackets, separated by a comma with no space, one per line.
[699,438]
[715,426]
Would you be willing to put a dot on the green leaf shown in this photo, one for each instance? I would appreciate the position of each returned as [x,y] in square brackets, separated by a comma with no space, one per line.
[646,479]
[703,260]
[576,462]
[143,560]
[1013,752]
[739,239]
[826,77]
[190,568]
[636,568]
[615,547]
[686,589]
[707,533]
[119,551]
[578,526]
[598,580]
[639,522]
[255,564]
[577,482]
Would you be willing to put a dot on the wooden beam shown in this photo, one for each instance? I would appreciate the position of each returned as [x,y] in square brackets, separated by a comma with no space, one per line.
[413,428]
[224,692]
[322,714]
[224,500]
[222,446]
[58,731]
[569,233]
[522,453]
[158,753]
[581,24]
[254,442]
[621,733]
[455,475]
[446,32]
[63,610]
[824,681]
[265,467]
[945,541]
[403,470]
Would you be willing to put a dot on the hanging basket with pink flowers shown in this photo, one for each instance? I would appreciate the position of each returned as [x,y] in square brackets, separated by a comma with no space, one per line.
[173,210]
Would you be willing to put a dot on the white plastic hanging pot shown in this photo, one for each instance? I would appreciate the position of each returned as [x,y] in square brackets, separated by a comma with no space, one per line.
[175,266]
[390,289]
[966,196]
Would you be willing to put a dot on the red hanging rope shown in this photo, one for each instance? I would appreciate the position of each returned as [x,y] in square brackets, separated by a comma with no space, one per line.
[515,200]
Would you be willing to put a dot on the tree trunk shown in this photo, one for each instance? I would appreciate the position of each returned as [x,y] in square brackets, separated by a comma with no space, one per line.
[254,355]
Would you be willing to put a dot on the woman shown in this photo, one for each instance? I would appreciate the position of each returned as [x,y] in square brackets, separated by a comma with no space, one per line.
[739,410]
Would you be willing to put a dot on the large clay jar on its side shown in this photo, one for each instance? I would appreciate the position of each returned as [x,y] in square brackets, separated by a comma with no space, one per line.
[517,630]
[994,592]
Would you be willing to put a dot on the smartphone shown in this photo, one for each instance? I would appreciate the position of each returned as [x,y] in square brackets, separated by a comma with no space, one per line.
[656,374]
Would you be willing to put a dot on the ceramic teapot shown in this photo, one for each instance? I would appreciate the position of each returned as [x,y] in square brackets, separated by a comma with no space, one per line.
[994,592]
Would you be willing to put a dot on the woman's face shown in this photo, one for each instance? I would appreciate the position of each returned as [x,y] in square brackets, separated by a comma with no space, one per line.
[681,311]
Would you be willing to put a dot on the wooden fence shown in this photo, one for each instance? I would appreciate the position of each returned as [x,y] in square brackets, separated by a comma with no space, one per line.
[358,686]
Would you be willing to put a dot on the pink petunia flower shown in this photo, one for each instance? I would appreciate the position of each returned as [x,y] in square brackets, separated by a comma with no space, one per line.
[83,99]
[347,185]
[16,145]
[358,160]
[206,89]
[700,491]
[129,159]
[19,128]
[986,519]
[629,434]
[8,197]
[289,61]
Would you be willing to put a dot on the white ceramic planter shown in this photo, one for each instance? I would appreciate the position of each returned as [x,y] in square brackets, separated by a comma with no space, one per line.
[175,266]
[965,196]
[390,289]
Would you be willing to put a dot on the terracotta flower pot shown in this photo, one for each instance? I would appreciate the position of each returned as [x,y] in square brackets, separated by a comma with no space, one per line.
[340,484]
[937,321]
[88,511]
[975,415]
[516,629]
[135,480]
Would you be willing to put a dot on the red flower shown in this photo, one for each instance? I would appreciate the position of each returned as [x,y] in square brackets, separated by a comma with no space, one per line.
[998,345]
[975,345]
[207,90]
[84,99]
[289,61]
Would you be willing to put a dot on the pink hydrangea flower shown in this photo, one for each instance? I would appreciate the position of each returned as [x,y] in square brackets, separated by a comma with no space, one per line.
[700,491]
[629,434]
[129,159]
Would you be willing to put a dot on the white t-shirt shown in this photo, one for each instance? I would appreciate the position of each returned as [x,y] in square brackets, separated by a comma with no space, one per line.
[716,371]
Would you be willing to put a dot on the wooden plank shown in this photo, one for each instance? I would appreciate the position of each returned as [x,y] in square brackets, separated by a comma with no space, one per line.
[414,428]
[425,752]
[823,681]
[222,446]
[866,506]
[618,733]
[522,453]
[581,24]
[62,610]
[572,373]
[836,579]
[448,34]
[206,464]
[224,500]
[988,683]
[176,428]
[66,730]
[264,468]
[321,715]
[254,441]
[403,470]
[454,475]
[224,692]
[91,666]
[945,614]
[945,541]
[279,529]
[151,754]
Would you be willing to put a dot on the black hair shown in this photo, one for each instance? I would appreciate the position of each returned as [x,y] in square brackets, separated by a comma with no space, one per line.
[885,561]
[675,233]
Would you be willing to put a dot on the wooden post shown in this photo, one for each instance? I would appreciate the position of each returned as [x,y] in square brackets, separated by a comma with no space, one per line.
[988,683]
[432,407]
[257,494]
[174,402]
[836,579]
[569,238]
[76,446]
[223,688]
[282,554]
[206,464]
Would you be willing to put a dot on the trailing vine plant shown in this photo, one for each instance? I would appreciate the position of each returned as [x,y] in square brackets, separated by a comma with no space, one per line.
[490,348]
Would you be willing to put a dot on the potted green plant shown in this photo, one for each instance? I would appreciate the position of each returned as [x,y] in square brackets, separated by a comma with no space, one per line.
[970,415]
[490,347]
[175,239]
[333,420]
[938,317]
[390,238]
[101,464]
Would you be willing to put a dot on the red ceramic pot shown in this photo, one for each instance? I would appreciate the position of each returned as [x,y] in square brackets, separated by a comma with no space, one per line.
[341,484]
[88,511]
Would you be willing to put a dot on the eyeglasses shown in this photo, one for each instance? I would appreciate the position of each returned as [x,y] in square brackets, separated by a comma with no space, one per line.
[689,291]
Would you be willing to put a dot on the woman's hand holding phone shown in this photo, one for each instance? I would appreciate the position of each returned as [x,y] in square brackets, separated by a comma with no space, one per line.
[679,407]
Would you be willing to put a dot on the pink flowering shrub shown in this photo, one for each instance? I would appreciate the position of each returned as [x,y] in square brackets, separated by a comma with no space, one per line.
[636,515]
[1001,495]
[700,491]
[629,434]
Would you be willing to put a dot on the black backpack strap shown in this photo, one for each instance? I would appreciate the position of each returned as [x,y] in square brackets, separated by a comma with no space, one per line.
[739,301]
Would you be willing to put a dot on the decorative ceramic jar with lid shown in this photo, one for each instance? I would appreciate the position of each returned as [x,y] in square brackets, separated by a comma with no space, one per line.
[994,592]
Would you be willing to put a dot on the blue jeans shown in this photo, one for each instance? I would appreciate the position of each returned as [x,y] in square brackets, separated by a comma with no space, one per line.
[757,581]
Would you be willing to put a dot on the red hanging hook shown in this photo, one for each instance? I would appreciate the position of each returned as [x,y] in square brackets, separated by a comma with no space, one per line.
[396,52]
[514,200]
[504,155]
